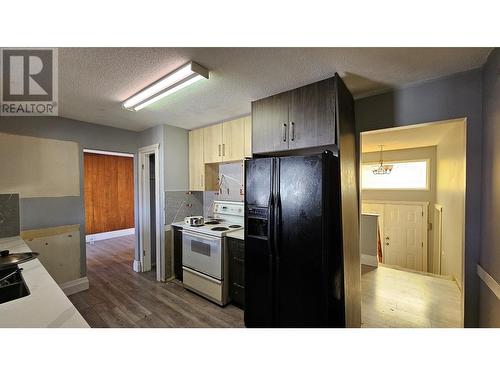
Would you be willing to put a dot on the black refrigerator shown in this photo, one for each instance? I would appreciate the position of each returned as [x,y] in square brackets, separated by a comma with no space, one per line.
[293,252]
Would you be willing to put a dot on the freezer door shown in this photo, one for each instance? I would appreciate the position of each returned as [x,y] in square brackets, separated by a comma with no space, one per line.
[259,263]
[301,277]
[258,181]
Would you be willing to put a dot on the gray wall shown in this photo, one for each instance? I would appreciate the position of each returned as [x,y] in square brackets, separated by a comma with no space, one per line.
[179,201]
[451,97]
[47,212]
[176,159]
[489,305]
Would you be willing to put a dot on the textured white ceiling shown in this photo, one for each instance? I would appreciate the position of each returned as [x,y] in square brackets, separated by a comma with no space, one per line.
[421,135]
[94,81]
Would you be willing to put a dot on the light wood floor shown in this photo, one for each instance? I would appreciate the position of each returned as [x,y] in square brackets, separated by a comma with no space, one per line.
[396,298]
[120,297]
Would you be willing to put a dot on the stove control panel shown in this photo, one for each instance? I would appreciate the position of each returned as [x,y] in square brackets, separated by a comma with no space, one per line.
[229,208]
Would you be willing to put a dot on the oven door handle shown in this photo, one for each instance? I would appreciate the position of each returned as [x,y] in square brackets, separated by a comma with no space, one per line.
[187,233]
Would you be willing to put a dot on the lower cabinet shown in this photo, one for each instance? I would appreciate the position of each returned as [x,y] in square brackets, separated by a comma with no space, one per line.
[177,252]
[236,271]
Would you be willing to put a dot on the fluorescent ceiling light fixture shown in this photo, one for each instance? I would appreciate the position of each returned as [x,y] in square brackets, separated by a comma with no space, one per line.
[178,79]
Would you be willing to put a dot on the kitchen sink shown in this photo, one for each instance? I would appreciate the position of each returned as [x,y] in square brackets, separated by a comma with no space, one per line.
[14,287]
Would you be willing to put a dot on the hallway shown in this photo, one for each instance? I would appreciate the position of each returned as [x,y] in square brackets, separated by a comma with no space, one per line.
[401,299]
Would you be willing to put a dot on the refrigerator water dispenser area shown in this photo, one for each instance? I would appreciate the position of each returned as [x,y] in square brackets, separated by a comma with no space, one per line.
[257,223]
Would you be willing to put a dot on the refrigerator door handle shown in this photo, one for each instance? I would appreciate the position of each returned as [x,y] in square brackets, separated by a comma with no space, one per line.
[277,224]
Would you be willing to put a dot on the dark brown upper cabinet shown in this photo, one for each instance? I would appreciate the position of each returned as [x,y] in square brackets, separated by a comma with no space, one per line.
[296,119]
[312,115]
[270,116]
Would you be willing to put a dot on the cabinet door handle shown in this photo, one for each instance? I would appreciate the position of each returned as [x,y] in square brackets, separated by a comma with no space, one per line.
[292,131]
[201,179]
[219,150]
[223,149]
[284,133]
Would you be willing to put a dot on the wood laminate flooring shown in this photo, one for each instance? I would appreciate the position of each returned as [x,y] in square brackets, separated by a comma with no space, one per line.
[402,299]
[119,297]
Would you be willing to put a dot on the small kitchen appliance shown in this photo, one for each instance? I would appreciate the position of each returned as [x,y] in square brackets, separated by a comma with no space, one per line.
[194,221]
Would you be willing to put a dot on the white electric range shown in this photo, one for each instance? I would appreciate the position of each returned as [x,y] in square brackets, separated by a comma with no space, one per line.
[204,251]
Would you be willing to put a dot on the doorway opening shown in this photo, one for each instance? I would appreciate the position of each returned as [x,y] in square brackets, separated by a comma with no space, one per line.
[109,208]
[150,222]
[412,225]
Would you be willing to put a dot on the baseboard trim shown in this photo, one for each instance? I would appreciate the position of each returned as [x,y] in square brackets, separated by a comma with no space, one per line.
[107,235]
[489,281]
[75,286]
[369,260]
[137,266]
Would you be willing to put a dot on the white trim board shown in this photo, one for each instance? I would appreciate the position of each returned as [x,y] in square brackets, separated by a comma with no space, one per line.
[112,153]
[489,281]
[145,229]
[137,267]
[107,235]
[75,286]
[369,260]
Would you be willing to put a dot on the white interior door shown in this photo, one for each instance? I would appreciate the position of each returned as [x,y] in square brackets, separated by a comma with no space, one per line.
[404,245]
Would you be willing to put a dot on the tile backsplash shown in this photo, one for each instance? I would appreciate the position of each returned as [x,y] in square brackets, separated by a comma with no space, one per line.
[232,187]
[232,182]
[180,204]
[9,215]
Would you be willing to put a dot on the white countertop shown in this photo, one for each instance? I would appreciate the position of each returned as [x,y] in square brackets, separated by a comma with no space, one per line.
[47,306]
[238,234]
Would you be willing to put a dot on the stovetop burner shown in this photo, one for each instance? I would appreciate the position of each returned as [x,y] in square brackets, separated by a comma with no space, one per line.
[212,222]
[220,229]
[235,226]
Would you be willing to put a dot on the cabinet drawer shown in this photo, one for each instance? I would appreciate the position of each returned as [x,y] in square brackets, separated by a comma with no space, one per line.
[237,294]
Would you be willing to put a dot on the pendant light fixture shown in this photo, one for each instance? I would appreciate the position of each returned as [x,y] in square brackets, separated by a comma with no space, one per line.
[382,168]
[184,76]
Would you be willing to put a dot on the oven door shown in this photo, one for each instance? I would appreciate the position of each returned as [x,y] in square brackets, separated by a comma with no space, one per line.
[202,253]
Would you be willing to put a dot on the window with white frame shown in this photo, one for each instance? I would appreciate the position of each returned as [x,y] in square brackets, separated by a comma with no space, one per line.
[405,175]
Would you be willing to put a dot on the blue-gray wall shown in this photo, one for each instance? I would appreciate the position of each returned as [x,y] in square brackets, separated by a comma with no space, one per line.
[176,158]
[451,97]
[489,304]
[48,212]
